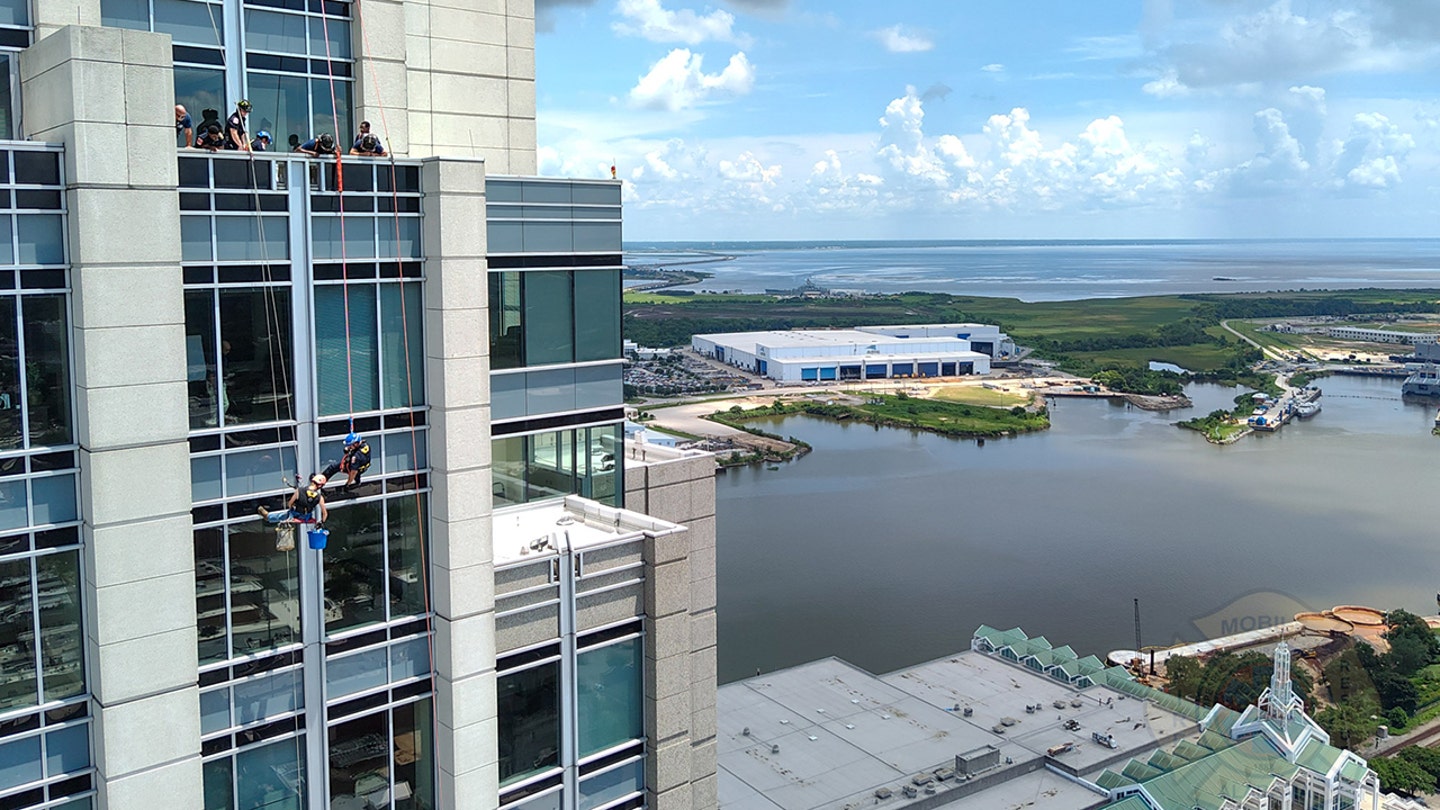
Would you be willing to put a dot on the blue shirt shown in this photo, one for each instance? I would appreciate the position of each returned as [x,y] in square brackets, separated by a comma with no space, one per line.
[313,146]
[183,124]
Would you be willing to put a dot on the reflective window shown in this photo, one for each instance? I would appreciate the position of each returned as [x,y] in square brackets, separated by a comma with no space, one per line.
[190,22]
[382,340]
[268,776]
[372,564]
[44,590]
[296,99]
[529,721]
[246,593]
[384,760]
[553,316]
[7,101]
[241,374]
[612,784]
[610,696]
[583,461]
[281,107]
[202,91]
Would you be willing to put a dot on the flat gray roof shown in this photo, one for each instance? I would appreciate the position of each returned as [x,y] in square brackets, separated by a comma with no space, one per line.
[843,733]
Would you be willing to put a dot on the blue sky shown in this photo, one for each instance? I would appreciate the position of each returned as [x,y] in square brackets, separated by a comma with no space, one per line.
[802,119]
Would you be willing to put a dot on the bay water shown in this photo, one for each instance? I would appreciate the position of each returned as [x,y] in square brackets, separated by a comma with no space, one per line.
[888,547]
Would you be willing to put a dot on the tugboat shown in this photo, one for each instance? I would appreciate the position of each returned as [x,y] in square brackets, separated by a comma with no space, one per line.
[1424,382]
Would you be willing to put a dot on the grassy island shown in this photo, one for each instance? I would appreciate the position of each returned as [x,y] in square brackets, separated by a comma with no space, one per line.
[900,410]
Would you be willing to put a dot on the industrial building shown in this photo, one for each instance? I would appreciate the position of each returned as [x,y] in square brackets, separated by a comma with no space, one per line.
[826,355]
[514,608]
[1381,336]
[985,339]
[1016,722]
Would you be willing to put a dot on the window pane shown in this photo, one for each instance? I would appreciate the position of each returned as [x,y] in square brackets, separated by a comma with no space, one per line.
[53,499]
[210,594]
[414,757]
[282,106]
[599,387]
[330,349]
[47,368]
[505,324]
[355,673]
[401,450]
[611,707]
[272,31]
[613,784]
[67,750]
[61,645]
[268,697]
[214,711]
[41,238]
[189,22]
[357,242]
[10,405]
[219,785]
[326,109]
[202,381]
[195,242]
[409,659]
[407,595]
[18,685]
[507,459]
[240,239]
[360,761]
[597,314]
[402,333]
[599,468]
[548,318]
[258,470]
[529,722]
[548,237]
[264,590]
[20,762]
[205,479]
[354,567]
[504,237]
[255,357]
[550,468]
[7,103]
[271,777]
[400,238]
[338,33]
[200,90]
[125,14]
[13,513]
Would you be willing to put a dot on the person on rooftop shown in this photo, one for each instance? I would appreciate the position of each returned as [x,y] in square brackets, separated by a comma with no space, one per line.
[261,142]
[320,146]
[235,127]
[369,146]
[210,139]
[184,126]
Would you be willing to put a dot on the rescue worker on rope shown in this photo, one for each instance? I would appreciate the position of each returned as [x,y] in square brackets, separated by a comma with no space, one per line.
[303,506]
[354,463]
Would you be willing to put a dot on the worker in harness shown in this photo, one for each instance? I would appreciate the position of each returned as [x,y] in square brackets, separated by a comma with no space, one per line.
[354,463]
[303,506]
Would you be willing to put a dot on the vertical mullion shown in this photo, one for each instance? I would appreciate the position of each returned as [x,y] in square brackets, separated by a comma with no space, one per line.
[20,351]
[221,396]
[225,597]
[35,625]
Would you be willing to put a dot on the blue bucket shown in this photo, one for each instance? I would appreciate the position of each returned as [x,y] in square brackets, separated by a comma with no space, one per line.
[318,538]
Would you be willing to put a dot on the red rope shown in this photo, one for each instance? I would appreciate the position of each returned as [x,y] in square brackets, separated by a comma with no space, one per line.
[340,198]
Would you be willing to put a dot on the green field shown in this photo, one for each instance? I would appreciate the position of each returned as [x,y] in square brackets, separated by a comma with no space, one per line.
[979,395]
[934,416]
[1193,357]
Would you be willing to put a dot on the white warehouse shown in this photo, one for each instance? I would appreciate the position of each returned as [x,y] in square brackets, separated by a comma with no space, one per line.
[843,354]
[984,338]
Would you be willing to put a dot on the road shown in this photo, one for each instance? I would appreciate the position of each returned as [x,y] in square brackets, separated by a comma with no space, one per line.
[1270,353]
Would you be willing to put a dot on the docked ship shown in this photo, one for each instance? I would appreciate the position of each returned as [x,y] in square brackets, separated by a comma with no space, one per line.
[1424,382]
[1307,402]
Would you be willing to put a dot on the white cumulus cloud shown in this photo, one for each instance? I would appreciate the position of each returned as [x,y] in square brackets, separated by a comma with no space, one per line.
[652,21]
[897,39]
[1371,155]
[678,82]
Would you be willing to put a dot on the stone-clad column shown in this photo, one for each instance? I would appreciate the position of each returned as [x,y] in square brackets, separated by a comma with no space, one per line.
[457,369]
[107,95]
[680,648]
[382,93]
[52,15]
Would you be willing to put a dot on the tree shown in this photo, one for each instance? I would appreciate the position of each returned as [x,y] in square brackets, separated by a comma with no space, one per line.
[1348,724]
[1184,674]
[1402,776]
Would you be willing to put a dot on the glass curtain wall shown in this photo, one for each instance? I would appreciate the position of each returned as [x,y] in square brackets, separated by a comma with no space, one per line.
[294,61]
[15,33]
[265,409]
[44,709]
[552,464]
[549,317]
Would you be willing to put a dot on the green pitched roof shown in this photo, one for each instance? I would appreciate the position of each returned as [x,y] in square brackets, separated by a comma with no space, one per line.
[1214,741]
[1189,751]
[1111,780]
[1352,771]
[1139,771]
[1000,638]
[1128,803]
[1229,773]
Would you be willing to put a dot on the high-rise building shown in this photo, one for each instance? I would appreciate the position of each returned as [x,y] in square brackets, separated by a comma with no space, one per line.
[512,608]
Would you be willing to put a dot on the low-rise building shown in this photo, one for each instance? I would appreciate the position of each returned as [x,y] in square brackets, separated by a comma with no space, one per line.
[1381,336]
[1015,721]
[823,355]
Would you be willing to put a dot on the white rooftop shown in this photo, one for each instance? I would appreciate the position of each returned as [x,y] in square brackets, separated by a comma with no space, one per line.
[844,734]
[535,530]
[781,339]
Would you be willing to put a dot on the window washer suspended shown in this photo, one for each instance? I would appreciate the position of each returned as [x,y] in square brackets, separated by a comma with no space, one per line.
[354,463]
[304,505]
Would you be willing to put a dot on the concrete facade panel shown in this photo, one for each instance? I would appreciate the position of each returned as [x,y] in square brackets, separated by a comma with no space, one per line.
[116,494]
[141,667]
[168,723]
[161,424]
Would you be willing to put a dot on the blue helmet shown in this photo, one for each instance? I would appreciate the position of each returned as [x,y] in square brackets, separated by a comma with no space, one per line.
[263,134]
[352,438]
